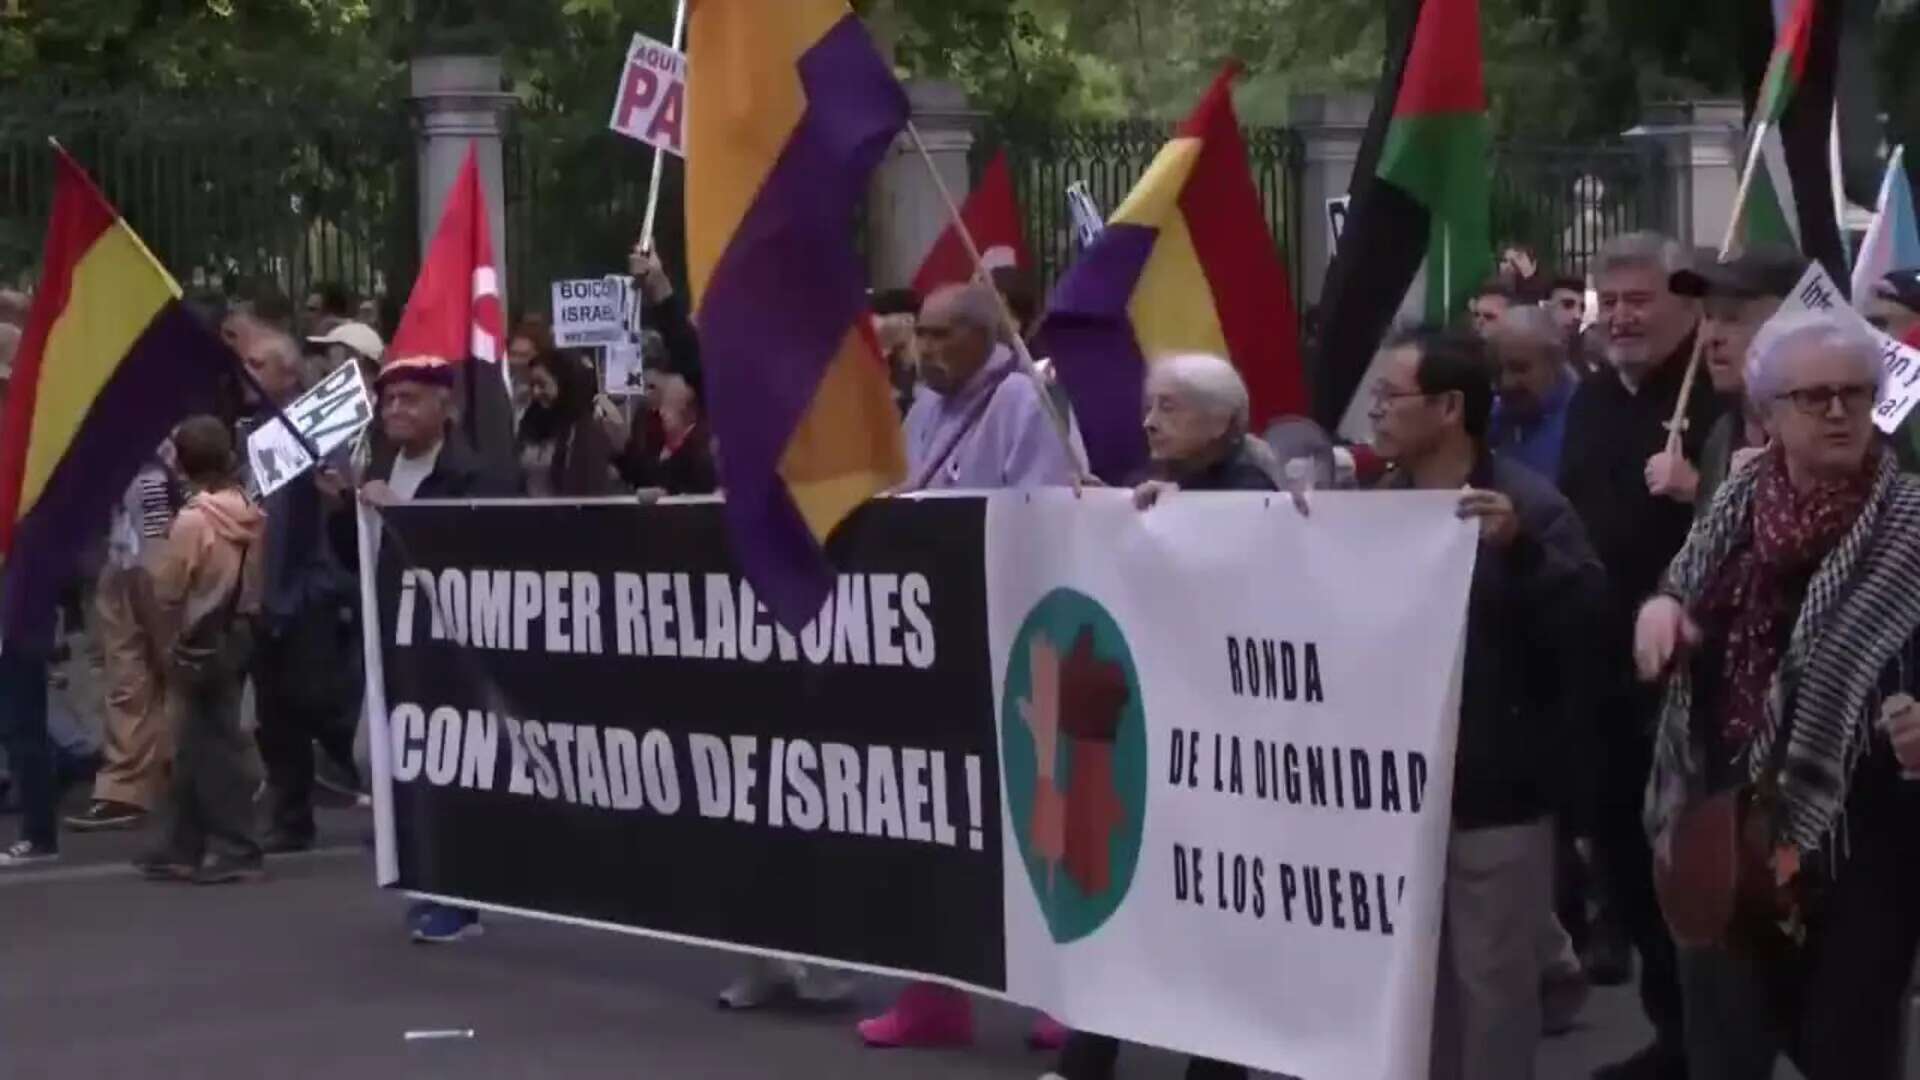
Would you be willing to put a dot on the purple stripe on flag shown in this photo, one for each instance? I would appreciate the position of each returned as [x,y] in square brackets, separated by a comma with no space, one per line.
[1090,336]
[170,372]
[782,300]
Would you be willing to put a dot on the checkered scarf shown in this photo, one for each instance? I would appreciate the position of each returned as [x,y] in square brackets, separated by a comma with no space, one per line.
[1862,606]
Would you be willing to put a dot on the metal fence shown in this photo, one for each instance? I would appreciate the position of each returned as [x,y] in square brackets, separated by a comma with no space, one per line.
[295,197]
[575,197]
[1565,201]
[1562,201]
[1109,158]
[226,196]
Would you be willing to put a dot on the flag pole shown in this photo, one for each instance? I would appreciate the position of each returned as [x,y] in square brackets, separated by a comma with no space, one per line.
[660,153]
[1678,425]
[1016,339]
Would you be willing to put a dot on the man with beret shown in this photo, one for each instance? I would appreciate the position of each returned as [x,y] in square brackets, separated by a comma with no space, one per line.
[419,460]
[1736,299]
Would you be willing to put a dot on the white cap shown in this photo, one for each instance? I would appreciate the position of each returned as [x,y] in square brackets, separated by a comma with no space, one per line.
[357,336]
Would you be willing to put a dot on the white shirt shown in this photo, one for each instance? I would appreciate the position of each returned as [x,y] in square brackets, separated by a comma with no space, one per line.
[410,472]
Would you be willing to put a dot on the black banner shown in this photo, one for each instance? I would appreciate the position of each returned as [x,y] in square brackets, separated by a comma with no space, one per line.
[591,716]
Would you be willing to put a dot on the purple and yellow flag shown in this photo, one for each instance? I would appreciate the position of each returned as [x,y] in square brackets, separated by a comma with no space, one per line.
[109,361]
[790,111]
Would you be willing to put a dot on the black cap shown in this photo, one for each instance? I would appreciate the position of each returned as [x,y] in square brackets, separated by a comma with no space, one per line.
[1902,287]
[1763,271]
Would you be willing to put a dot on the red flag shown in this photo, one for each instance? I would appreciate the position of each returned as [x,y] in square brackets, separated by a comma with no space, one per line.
[454,313]
[992,215]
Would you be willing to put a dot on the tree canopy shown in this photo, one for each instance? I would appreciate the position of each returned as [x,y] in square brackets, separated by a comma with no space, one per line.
[1555,68]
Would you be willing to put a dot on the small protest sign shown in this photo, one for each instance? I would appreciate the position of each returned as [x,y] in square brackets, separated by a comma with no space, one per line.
[651,103]
[591,312]
[330,415]
[1817,292]
[622,373]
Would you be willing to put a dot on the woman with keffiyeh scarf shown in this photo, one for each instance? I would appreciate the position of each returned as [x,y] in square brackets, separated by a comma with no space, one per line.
[1783,807]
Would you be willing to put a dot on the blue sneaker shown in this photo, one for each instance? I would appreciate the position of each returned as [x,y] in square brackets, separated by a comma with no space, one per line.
[438,924]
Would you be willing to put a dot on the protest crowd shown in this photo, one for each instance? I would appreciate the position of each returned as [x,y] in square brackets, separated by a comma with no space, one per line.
[1688,751]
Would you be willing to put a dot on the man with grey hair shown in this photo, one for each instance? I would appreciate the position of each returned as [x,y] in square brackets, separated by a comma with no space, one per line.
[303,672]
[1736,298]
[1637,518]
[1530,418]
[978,421]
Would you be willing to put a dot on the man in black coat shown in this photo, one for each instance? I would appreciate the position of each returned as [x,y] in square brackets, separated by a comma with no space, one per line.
[420,460]
[1636,500]
[1536,585]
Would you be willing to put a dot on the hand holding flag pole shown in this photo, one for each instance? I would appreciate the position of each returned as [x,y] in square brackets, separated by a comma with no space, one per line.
[1015,338]
[1677,427]
[660,153]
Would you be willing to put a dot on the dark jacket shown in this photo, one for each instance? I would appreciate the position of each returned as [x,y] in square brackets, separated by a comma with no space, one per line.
[1235,471]
[457,474]
[1526,695]
[1611,432]
[669,319]
[689,470]
[303,569]
[583,461]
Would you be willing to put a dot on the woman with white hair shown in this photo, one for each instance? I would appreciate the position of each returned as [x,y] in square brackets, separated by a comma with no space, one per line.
[1784,806]
[1196,425]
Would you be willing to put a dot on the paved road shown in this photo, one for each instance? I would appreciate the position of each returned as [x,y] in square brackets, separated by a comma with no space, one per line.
[103,976]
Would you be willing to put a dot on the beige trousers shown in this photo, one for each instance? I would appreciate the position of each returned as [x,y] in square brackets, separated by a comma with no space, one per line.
[1486,1011]
[137,750]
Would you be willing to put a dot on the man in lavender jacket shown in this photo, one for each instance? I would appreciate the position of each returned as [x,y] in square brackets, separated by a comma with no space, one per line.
[979,422]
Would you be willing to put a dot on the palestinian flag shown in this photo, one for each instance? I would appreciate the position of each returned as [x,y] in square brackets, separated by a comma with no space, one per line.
[1790,200]
[1421,193]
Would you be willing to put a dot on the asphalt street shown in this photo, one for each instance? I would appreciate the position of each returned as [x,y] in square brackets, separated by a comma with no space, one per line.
[308,974]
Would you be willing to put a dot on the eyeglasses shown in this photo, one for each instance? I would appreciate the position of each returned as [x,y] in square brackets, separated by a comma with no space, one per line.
[1386,395]
[1818,400]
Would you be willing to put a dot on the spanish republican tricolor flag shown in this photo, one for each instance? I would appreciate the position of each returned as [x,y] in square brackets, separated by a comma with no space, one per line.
[1186,264]
[790,110]
[109,362]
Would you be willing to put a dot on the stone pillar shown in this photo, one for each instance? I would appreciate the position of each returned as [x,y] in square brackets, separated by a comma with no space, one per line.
[457,100]
[1701,141]
[1331,127]
[907,214]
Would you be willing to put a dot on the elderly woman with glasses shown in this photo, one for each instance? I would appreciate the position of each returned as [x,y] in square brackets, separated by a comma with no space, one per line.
[1783,806]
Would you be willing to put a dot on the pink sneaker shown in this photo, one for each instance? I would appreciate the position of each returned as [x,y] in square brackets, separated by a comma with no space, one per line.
[925,1015]
[1047,1033]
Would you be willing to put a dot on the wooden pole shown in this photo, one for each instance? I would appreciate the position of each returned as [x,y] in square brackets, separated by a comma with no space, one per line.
[1677,427]
[660,155]
[1016,339]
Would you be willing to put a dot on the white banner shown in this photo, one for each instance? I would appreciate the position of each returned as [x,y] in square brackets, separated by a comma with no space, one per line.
[651,103]
[1227,741]
[591,312]
[329,415]
[1817,292]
